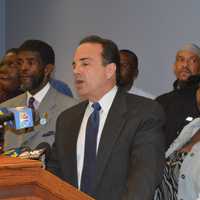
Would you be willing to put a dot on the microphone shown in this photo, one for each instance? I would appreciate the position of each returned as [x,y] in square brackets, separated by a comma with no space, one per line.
[36,154]
[46,148]
[4,117]
[18,118]
[15,152]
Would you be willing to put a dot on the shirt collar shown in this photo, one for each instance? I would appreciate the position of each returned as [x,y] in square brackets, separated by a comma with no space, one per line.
[39,96]
[107,99]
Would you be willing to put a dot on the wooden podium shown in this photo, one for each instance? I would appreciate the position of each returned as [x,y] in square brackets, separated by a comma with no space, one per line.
[25,179]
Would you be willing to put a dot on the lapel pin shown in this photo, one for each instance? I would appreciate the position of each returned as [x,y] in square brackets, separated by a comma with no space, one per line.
[43,119]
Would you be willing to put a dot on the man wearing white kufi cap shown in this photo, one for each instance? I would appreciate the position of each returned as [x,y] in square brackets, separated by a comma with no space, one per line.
[187,62]
[180,103]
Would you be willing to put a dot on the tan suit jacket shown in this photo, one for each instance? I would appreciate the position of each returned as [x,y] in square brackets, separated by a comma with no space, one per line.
[51,106]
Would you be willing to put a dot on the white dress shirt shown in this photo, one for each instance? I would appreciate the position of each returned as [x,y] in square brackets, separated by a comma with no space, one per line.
[39,96]
[105,102]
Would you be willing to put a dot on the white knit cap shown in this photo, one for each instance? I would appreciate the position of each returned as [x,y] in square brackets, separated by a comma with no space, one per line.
[191,48]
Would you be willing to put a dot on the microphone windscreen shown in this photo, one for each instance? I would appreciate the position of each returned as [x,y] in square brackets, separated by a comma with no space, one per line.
[36,154]
[5,115]
[15,152]
[23,117]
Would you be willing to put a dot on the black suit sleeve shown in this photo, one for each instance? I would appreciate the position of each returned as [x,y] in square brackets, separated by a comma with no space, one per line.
[53,161]
[52,164]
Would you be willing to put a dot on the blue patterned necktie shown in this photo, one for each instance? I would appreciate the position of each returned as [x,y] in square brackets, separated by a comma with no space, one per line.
[89,166]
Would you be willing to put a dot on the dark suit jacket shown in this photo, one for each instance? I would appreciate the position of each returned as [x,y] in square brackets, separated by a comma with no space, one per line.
[130,154]
[178,106]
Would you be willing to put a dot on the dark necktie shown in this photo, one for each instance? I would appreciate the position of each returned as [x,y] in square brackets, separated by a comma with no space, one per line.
[31,103]
[89,165]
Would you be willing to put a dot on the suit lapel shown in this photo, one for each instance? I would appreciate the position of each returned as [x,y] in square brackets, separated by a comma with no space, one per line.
[71,141]
[111,131]
[45,110]
[47,105]
[23,100]
[19,100]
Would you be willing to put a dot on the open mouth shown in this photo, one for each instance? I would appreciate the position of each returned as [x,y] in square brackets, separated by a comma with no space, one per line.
[79,81]
[24,78]
[79,84]
[185,72]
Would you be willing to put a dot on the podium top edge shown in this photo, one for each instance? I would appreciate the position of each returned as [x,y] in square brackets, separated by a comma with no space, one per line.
[10,162]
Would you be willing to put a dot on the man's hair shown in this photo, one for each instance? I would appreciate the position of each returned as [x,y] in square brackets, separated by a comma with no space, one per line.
[134,59]
[1,64]
[110,53]
[12,50]
[44,50]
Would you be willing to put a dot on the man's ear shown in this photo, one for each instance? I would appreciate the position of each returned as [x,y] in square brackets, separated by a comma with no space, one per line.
[110,70]
[48,70]
[174,68]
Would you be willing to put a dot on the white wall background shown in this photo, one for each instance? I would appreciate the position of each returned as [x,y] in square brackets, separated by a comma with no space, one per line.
[153,29]
[2,27]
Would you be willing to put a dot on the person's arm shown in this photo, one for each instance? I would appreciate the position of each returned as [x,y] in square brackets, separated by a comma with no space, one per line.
[188,146]
[147,158]
[52,162]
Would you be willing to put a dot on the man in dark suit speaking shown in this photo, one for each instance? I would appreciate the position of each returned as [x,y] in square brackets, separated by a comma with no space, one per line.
[110,146]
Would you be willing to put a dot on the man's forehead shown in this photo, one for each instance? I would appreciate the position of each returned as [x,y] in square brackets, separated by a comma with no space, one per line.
[28,54]
[89,47]
[124,56]
[186,53]
[87,51]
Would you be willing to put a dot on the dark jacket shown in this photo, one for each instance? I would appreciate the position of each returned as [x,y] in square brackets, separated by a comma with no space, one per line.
[131,150]
[178,105]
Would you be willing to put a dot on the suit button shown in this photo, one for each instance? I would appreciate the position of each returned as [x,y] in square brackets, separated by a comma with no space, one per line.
[183,176]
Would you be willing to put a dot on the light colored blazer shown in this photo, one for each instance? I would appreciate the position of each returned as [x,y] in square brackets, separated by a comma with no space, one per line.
[189,176]
[51,106]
